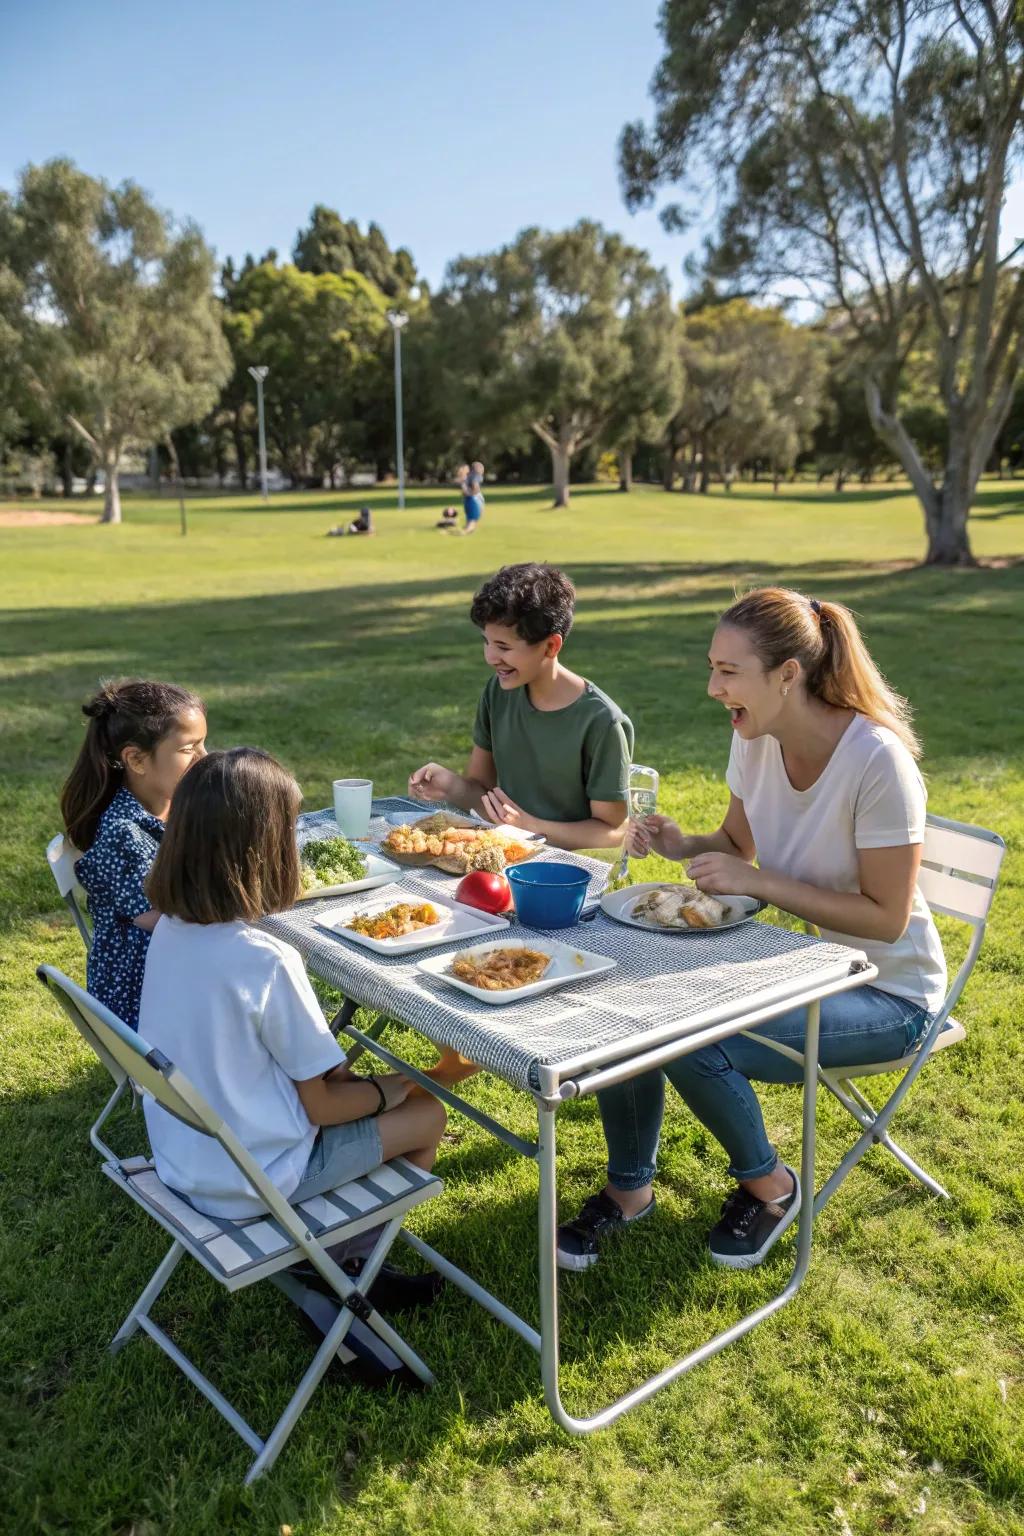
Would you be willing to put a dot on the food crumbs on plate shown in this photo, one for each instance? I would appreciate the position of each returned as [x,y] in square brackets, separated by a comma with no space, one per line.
[579,959]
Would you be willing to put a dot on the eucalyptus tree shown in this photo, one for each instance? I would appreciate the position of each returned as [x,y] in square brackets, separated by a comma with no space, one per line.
[126,333]
[861,151]
[541,335]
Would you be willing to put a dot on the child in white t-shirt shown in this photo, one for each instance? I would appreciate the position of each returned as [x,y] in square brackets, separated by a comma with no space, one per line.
[827,797]
[232,1006]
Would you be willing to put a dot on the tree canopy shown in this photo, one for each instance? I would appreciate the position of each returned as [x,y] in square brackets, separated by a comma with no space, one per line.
[863,151]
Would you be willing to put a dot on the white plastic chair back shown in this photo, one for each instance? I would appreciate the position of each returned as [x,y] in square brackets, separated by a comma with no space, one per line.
[61,857]
[959,871]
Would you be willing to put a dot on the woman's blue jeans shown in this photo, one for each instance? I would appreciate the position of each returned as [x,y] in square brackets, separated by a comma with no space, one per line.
[856,1027]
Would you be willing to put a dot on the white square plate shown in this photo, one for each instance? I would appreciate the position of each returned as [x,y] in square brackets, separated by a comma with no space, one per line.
[456,922]
[378,872]
[619,904]
[568,964]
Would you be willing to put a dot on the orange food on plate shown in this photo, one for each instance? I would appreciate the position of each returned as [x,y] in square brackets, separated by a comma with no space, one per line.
[500,970]
[395,922]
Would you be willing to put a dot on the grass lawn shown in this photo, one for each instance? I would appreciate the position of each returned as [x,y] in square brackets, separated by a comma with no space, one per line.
[888,1397]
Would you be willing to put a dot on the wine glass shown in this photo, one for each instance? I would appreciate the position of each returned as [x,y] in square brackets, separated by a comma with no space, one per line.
[642,799]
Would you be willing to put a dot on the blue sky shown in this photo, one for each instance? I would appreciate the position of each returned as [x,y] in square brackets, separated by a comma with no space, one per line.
[452,124]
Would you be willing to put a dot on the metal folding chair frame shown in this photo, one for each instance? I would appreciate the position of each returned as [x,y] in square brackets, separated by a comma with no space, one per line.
[558,1086]
[114,1042]
[947,841]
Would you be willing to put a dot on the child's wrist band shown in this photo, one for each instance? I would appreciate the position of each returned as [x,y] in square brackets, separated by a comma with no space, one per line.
[383,1097]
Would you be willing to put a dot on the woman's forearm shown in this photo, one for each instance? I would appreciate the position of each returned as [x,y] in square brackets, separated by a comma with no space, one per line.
[718,841]
[849,912]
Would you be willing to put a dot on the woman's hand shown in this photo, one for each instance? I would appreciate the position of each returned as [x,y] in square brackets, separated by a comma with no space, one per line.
[655,834]
[432,782]
[504,812]
[723,874]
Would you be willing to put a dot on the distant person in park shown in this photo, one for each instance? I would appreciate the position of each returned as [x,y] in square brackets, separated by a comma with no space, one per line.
[826,795]
[361,524]
[551,751]
[471,479]
[233,1007]
[141,738]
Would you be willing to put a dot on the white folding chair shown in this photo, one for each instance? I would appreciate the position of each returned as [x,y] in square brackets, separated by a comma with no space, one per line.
[240,1253]
[61,856]
[959,870]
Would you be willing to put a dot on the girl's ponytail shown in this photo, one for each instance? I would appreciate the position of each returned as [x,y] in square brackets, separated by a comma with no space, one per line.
[129,712]
[824,638]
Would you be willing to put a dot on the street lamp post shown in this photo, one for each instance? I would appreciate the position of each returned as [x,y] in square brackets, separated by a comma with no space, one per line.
[398,319]
[259,374]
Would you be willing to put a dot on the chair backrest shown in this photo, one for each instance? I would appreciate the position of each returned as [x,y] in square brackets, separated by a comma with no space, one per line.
[114,1042]
[61,857]
[959,869]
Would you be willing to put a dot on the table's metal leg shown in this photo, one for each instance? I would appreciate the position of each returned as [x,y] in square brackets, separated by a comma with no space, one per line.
[548,1271]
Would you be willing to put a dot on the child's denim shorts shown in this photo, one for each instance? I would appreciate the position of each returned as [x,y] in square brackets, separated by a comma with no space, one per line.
[340,1153]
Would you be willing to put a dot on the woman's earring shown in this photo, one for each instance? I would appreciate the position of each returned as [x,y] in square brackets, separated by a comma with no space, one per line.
[785,691]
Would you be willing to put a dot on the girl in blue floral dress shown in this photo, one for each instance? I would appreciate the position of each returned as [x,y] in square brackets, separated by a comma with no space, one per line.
[141,738]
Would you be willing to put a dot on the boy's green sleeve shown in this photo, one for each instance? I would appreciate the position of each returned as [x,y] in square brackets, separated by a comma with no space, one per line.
[608,767]
[482,724]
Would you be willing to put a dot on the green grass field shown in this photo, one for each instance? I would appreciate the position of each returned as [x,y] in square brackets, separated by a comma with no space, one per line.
[888,1397]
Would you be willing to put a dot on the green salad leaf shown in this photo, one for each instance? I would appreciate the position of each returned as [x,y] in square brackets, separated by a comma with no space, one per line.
[331,861]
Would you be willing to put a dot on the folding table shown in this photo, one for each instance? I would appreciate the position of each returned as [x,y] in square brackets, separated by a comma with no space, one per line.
[670,994]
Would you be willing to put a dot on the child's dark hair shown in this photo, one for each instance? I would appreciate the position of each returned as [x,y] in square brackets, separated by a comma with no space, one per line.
[127,712]
[229,852]
[535,600]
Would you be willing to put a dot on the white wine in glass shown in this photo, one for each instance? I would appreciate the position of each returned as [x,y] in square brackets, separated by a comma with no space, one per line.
[643,801]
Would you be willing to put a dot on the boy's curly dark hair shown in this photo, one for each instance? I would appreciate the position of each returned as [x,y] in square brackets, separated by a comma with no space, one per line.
[534,600]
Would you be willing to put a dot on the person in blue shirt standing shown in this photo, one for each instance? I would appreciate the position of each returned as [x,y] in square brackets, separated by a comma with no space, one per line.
[471,479]
[141,738]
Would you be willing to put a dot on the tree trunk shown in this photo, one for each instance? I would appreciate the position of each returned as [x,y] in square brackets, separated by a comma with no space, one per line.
[561,459]
[840,479]
[946,518]
[626,470]
[66,471]
[241,458]
[705,480]
[111,489]
[776,477]
[668,473]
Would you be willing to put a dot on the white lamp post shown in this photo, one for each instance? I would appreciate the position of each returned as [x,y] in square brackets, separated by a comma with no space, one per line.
[259,374]
[398,319]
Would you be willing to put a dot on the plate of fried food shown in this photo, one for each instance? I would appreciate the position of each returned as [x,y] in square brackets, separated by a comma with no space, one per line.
[332,866]
[677,908]
[458,844]
[398,924]
[507,973]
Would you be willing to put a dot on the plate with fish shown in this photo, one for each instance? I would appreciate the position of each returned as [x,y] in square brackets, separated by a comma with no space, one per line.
[660,907]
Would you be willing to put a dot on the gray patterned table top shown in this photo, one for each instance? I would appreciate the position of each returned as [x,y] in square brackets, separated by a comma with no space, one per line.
[660,980]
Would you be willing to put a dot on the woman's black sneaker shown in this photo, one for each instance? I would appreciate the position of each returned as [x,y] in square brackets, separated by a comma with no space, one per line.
[748,1226]
[579,1240]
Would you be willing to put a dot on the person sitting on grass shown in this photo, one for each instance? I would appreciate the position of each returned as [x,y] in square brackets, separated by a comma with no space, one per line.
[827,796]
[141,738]
[232,1006]
[551,751]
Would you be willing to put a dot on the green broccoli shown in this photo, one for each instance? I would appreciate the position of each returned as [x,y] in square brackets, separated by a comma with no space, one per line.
[331,861]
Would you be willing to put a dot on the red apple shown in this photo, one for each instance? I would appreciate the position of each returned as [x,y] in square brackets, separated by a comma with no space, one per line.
[487,892]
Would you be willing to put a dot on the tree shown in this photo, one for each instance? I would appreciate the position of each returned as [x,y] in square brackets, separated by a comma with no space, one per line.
[322,339]
[864,152]
[652,388]
[330,244]
[539,334]
[121,307]
[753,389]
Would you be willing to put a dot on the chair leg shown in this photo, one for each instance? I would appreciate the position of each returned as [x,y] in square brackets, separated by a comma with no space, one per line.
[141,1308]
[875,1123]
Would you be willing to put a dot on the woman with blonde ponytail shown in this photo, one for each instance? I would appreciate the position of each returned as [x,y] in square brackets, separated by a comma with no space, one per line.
[826,796]
[140,739]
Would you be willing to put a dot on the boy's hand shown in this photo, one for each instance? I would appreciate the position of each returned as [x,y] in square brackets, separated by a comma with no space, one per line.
[723,874]
[431,783]
[503,811]
[655,834]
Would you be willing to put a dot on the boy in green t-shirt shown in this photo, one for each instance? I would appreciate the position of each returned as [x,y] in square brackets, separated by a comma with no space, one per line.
[551,752]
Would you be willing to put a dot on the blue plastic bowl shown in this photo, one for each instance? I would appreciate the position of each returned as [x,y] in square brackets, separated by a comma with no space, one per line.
[548,894]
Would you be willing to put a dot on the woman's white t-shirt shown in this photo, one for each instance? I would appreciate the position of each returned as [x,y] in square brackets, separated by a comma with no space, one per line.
[870,795]
[233,1008]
